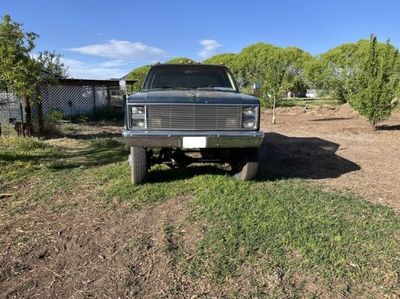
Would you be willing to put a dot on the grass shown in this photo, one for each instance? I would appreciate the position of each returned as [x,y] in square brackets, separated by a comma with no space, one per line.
[290,229]
[346,241]
[350,244]
[21,157]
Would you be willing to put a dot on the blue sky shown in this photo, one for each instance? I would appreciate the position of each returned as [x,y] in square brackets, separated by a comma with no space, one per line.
[103,39]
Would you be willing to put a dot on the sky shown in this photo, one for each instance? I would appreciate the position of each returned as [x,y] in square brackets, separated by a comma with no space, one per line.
[106,39]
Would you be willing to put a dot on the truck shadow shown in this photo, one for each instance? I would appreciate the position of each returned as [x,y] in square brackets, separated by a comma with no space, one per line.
[281,157]
[301,157]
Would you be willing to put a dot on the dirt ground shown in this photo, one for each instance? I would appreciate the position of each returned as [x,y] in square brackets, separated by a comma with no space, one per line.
[335,146]
[77,247]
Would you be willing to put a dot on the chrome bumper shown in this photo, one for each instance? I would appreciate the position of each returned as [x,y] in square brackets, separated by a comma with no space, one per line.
[174,139]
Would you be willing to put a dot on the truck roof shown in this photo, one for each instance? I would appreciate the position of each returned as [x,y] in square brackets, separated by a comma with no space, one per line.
[188,64]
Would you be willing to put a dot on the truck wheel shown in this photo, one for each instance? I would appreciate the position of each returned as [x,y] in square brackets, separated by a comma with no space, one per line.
[138,162]
[249,168]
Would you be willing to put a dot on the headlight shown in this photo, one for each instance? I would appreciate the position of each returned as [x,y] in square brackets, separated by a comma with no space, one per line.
[249,124]
[249,110]
[138,117]
[137,110]
[249,117]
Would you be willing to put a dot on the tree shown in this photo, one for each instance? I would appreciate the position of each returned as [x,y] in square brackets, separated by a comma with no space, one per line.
[275,77]
[51,64]
[3,87]
[252,64]
[377,84]
[51,69]
[227,59]
[178,60]
[19,71]
[138,74]
[230,61]
[334,71]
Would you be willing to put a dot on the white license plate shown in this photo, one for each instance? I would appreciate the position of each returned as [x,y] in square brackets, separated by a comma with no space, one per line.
[194,142]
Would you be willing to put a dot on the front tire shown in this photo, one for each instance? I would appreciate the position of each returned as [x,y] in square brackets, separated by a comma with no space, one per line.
[138,162]
[247,169]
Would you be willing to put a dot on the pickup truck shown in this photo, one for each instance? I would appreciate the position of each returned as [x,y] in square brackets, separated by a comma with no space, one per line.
[192,113]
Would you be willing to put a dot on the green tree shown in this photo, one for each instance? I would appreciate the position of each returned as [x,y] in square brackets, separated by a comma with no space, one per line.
[276,76]
[51,64]
[3,87]
[51,69]
[19,71]
[334,71]
[253,63]
[377,84]
[227,59]
[178,60]
[138,74]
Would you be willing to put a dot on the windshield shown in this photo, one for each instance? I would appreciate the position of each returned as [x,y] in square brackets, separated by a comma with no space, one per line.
[189,77]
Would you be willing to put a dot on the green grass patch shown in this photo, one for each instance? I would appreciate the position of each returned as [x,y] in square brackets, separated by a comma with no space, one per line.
[164,183]
[21,157]
[345,240]
[51,169]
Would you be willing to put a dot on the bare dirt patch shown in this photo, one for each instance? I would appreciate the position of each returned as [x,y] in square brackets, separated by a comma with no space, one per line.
[87,249]
[334,145]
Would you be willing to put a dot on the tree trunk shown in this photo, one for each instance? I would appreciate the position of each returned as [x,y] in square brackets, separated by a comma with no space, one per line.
[28,116]
[273,111]
[39,109]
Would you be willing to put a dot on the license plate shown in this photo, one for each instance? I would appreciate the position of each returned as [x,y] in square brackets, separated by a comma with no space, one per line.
[194,142]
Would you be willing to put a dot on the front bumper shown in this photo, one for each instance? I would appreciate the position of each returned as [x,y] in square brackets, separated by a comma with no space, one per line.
[174,139]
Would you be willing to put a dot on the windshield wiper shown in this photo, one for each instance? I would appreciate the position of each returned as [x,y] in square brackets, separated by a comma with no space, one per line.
[170,87]
[219,88]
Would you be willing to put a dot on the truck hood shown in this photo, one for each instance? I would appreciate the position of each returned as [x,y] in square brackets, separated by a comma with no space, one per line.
[192,96]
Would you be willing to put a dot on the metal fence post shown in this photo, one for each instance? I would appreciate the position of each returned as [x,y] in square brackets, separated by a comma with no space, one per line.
[94,97]
[21,109]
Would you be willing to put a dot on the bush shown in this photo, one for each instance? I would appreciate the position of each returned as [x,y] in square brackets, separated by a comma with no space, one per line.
[55,116]
[377,84]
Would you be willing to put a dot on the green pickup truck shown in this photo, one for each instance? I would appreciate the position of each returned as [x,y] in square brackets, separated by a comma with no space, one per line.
[192,113]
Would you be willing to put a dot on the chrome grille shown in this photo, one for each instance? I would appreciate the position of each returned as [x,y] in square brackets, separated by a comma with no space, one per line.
[194,117]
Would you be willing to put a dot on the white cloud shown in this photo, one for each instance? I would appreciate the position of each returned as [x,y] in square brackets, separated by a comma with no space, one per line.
[125,50]
[113,63]
[209,46]
[103,70]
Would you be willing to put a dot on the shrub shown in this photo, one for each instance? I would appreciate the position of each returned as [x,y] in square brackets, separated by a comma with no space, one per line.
[55,116]
[377,84]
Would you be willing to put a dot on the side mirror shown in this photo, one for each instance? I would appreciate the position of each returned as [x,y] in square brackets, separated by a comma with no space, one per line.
[256,89]
[256,86]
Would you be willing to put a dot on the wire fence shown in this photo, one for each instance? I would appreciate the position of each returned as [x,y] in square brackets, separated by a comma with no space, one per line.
[12,114]
[71,98]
